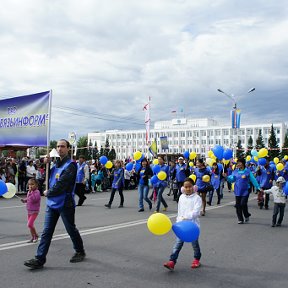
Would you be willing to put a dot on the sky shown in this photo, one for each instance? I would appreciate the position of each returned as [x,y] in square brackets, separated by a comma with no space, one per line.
[103,59]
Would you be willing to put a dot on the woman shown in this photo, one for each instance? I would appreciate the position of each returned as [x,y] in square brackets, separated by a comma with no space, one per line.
[144,174]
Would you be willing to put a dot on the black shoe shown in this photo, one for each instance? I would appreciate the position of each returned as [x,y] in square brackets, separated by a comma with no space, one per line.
[141,210]
[266,208]
[247,220]
[33,263]
[108,206]
[273,225]
[209,203]
[240,222]
[120,206]
[78,257]
[278,224]
[81,201]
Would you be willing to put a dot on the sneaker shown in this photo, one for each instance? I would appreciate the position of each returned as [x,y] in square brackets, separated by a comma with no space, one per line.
[247,219]
[141,210]
[30,241]
[164,209]
[278,224]
[35,240]
[273,225]
[78,257]
[195,264]
[169,265]
[120,206]
[33,263]
[240,222]
[108,206]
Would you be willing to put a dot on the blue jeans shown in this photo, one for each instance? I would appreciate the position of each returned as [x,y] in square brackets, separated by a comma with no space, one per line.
[51,217]
[160,198]
[178,246]
[143,191]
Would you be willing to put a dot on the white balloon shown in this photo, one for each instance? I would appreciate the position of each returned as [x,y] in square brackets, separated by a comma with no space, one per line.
[11,191]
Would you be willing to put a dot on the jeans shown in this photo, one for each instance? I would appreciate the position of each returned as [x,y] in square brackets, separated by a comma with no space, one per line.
[242,207]
[160,198]
[51,217]
[178,246]
[143,191]
[211,196]
[278,207]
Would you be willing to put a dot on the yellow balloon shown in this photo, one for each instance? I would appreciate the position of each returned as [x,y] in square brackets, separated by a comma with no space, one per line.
[213,157]
[193,177]
[11,191]
[279,166]
[276,160]
[192,155]
[210,153]
[233,186]
[248,158]
[137,155]
[159,224]
[263,152]
[162,175]
[285,157]
[211,162]
[206,178]
[155,162]
[233,167]
[191,164]
[255,158]
[235,160]
[225,161]
[109,164]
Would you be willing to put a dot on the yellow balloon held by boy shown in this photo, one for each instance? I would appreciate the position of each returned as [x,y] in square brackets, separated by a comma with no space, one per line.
[159,224]
[206,178]
[162,175]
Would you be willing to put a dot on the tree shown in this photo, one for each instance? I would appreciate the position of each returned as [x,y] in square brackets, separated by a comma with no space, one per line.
[95,153]
[273,145]
[239,150]
[249,146]
[107,147]
[101,153]
[81,143]
[259,141]
[90,150]
[112,154]
[285,147]
[52,144]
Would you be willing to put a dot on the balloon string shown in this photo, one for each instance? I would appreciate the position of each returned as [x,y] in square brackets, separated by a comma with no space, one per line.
[17,196]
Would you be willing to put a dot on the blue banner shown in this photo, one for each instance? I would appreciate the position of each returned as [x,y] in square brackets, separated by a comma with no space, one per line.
[235,117]
[24,120]
[164,143]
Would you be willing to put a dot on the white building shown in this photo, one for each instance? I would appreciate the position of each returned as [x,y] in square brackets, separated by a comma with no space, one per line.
[199,135]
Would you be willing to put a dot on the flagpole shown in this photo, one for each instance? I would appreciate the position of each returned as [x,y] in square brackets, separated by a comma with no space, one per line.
[48,140]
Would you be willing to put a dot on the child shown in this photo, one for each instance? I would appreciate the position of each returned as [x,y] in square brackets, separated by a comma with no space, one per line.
[33,206]
[279,201]
[189,208]
[93,180]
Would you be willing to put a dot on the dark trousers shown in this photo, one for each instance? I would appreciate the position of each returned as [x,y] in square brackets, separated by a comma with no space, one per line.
[120,190]
[179,186]
[51,218]
[211,196]
[278,207]
[79,191]
[242,207]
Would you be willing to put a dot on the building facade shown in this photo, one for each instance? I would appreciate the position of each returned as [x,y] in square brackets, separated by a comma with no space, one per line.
[199,135]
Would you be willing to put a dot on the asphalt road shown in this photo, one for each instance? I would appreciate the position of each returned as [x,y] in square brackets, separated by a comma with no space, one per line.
[121,252]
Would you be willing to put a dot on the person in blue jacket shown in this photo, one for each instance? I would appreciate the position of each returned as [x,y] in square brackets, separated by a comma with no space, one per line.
[215,181]
[182,172]
[241,177]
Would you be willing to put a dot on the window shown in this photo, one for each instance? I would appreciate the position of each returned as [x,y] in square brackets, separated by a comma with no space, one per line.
[175,134]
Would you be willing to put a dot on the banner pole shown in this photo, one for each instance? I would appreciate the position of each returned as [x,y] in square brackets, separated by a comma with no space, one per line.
[48,140]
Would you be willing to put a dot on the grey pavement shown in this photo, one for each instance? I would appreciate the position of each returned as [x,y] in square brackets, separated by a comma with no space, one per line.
[121,252]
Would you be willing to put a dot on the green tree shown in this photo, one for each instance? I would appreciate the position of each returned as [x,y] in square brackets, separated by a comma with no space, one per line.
[82,149]
[273,145]
[112,154]
[259,141]
[90,150]
[52,144]
[249,146]
[285,147]
[95,153]
[239,150]
[101,153]
[107,147]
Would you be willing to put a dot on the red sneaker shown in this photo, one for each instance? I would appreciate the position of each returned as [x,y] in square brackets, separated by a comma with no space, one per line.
[195,264]
[169,265]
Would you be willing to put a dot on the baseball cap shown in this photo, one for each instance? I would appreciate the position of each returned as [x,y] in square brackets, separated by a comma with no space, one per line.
[280,180]
[181,158]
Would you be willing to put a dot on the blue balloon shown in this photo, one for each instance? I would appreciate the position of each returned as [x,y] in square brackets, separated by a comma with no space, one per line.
[254,153]
[285,189]
[156,169]
[154,179]
[218,152]
[3,188]
[227,155]
[186,154]
[129,166]
[186,231]
[137,167]
[262,161]
[231,178]
[103,160]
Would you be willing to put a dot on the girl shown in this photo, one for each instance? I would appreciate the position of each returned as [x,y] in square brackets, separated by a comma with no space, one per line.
[118,184]
[189,208]
[215,181]
[32,201]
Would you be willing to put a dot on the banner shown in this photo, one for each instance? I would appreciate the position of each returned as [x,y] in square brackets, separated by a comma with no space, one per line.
[153,148]
[24,120]
[146,108]
[235,117]
[164,143]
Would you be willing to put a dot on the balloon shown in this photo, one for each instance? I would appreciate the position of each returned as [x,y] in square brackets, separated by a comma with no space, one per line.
[137,167]
[193,177]
[162,175]
[137,155]
[255,158]
[155,162]
[263,152]
[129,166]
[192,155]
[210,153]
[210,162]
[225,161]
[231,178]
[233,186]
[285,157]
[154,179]
[279,166]
[254,152]
[3,188]
[186,154]
[191,164]
[109,164]
[103,160]
[248,158]
[285,188]
[228,154]
[262,161]
[159,224]
[186,231]
[141,158]
[218,151]
[156,169]
[206,178]
[11,191]
[276,160]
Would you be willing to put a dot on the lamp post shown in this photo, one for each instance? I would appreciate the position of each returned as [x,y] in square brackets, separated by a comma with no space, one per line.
[232,97]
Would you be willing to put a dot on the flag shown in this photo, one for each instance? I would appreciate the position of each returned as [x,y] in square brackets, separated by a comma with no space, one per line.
[235,118]
[153,148]
[164,142]
[146,108]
